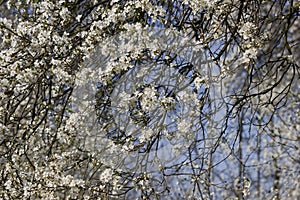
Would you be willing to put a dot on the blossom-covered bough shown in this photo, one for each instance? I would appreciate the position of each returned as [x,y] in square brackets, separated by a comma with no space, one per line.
[149,99]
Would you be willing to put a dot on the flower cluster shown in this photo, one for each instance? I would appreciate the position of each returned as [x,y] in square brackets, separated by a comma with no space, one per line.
[149,99]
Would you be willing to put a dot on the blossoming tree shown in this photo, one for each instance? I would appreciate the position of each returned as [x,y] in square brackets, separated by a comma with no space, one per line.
[149,99]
